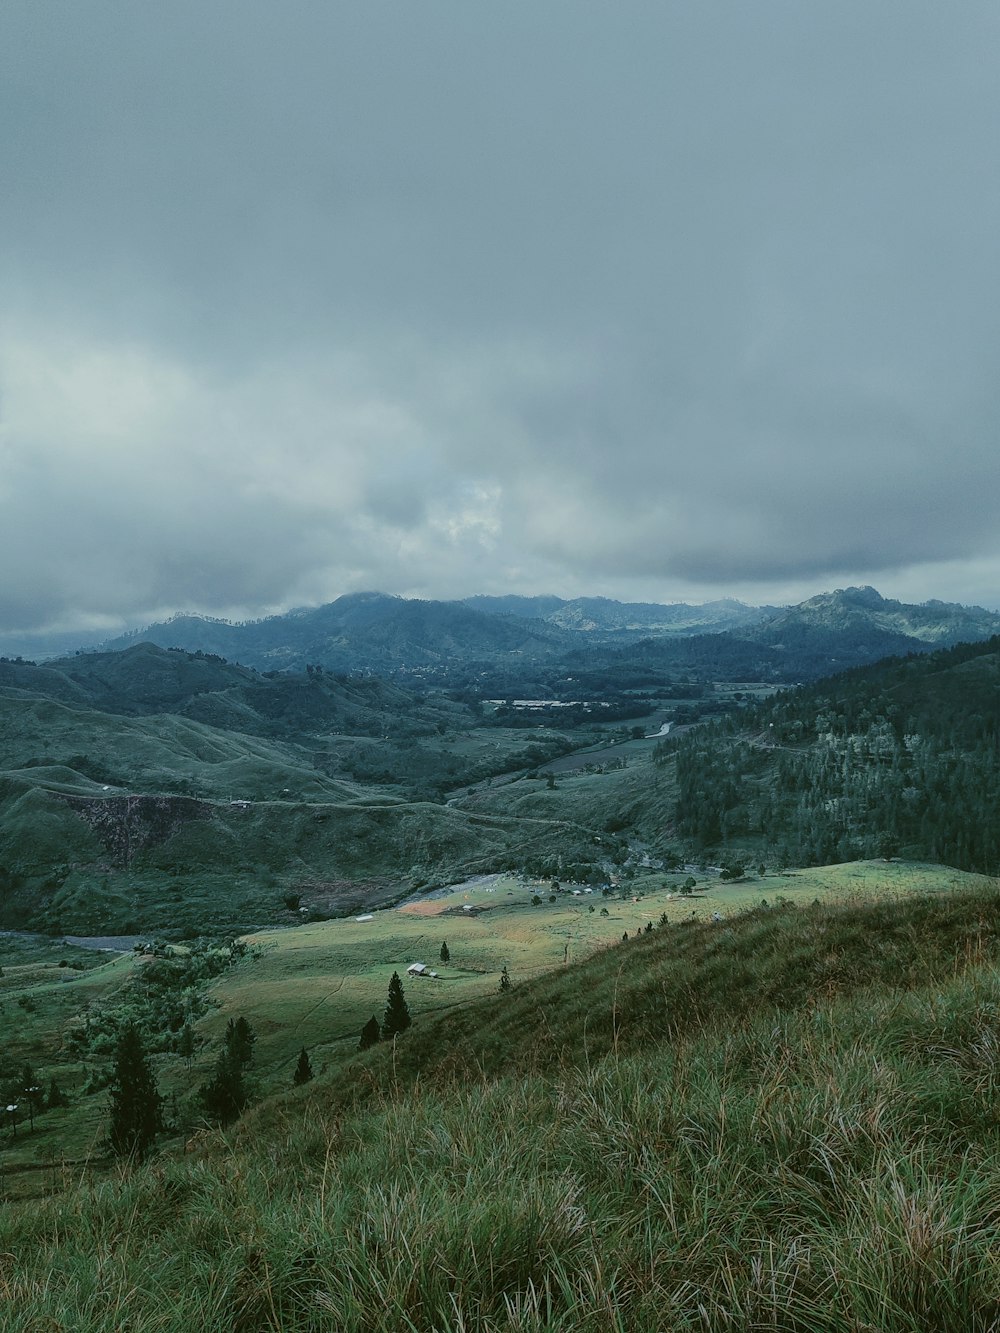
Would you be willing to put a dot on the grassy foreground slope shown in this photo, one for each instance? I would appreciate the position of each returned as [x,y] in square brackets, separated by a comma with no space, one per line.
[786,1120]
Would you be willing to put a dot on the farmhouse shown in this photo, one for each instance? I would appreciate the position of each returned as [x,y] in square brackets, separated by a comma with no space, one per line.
[416,969]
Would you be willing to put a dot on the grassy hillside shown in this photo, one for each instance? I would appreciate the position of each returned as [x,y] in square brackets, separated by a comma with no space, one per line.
[786,1120]
[158,821]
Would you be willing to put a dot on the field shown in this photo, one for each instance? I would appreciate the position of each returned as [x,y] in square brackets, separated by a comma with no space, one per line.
[783,1121]
[315,985]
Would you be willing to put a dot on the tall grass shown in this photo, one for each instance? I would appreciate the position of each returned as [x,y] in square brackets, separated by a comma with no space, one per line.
[824,1161]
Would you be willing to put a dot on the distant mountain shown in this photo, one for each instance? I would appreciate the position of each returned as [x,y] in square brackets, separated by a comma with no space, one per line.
[371,633]
[604,616]
[362,632]
[819,637]
[864,610]
[852,626]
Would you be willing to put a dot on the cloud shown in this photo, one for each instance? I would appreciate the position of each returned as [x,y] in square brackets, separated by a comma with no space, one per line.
[653,301]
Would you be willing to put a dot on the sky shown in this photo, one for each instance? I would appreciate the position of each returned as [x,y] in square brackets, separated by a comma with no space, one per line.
[659,301]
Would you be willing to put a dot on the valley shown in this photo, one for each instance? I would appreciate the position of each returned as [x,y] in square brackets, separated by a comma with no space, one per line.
[629,888]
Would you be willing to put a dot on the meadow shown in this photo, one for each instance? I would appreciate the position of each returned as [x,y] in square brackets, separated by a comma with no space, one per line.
[783,1121]
[315,985]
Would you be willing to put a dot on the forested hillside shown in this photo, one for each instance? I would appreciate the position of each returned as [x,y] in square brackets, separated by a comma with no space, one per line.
[525,638]
[901,758]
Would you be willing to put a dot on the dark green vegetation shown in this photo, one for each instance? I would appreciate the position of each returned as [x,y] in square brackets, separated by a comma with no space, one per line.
[162,790]
[439,641]
[787,1120]
[135,1116]
[898,759]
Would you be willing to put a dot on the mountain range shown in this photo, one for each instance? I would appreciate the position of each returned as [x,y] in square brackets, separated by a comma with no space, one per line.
[377,634]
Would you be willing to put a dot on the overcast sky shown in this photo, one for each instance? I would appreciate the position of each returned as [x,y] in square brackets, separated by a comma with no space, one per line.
[662,301]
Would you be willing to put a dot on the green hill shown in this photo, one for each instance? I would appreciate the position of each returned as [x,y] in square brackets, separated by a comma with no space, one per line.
[361,632]
[145,679]
[896,758]
[784,1120]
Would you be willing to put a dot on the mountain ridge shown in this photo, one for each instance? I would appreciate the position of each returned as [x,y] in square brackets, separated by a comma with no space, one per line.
[379,633]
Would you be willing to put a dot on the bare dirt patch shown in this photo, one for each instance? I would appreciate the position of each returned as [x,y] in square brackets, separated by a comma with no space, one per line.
[343,897]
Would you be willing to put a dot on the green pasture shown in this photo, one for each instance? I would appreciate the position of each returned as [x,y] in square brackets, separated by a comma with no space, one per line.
[40,1002]
[45,741]
[639,798]
[316,985]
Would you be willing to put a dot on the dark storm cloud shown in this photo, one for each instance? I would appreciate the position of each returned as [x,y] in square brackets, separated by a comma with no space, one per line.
[647,299]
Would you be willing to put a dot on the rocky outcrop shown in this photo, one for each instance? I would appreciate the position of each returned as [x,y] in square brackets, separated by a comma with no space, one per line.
[129,824]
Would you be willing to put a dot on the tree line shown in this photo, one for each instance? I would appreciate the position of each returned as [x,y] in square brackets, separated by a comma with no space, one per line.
[900,758]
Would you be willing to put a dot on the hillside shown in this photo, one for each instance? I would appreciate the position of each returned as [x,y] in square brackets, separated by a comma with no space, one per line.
[603,617]
[146,679]
[896,758]
[863,610]
[158,820]
[786,1120]
[114,824]
[361,632]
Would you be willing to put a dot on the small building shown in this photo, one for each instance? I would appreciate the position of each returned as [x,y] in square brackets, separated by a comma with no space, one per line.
[417,969]
[366,916]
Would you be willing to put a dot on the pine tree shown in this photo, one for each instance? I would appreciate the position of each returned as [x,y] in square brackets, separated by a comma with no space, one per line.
[56,1097]
[396,1018]
[225,1096]
[371,1033]
[505,982]
[185,1044]
[240,1039]
[303,1070]
[136,1116]
[445,955]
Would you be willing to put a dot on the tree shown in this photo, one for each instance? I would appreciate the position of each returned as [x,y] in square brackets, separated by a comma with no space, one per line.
[225,1096]
[371,1033]
[445,955]
[396,1018]
[136,1106]
[185,1044]
[505,982]
[56,1097]
[240,1039]
[303,1070]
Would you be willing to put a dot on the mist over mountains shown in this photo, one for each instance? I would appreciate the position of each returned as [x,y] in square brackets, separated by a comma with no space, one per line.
[373,633]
